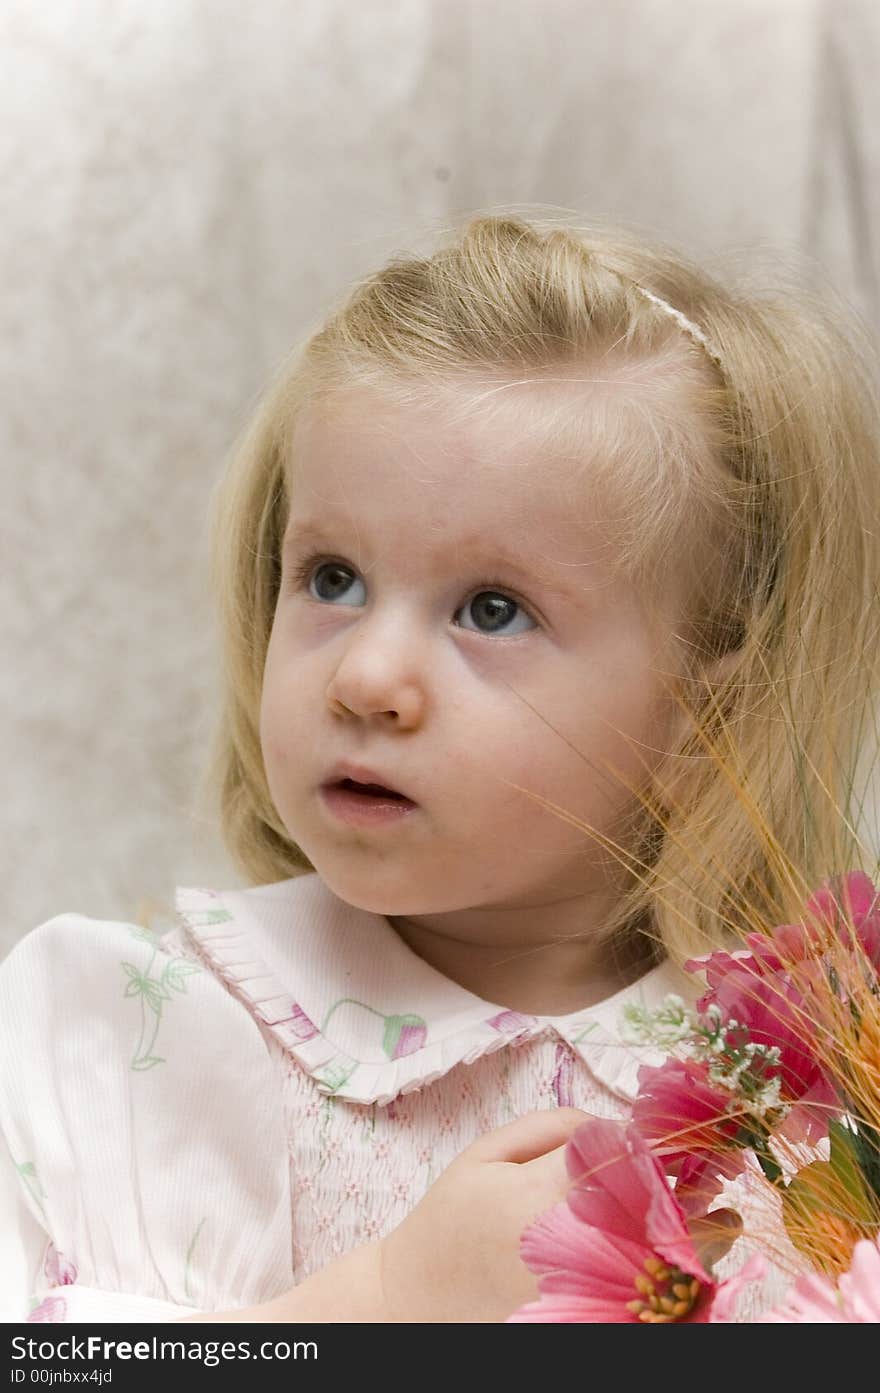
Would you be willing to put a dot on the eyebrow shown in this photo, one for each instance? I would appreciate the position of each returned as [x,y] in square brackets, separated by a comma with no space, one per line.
[474,546]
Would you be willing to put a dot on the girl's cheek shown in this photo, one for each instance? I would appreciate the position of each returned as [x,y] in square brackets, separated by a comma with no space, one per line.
[280,766]
[272,727]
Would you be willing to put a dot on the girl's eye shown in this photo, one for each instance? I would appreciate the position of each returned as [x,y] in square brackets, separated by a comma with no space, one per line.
[491,611]
[332,581]
[494,613]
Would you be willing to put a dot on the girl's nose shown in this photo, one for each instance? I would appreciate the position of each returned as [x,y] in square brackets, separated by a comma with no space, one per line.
[378,680]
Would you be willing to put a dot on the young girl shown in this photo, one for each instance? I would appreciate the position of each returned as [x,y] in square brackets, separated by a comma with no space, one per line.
[505,539]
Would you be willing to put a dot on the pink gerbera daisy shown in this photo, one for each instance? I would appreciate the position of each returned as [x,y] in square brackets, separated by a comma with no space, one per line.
[619,1250]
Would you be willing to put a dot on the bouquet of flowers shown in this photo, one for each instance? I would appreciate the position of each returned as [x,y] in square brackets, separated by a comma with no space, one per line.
[759,1133]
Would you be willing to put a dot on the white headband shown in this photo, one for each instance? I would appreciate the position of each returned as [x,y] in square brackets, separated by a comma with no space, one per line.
[685,324]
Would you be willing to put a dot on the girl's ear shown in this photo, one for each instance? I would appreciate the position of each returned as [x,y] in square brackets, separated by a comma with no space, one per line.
[671,776]
[720,669]
[708,676]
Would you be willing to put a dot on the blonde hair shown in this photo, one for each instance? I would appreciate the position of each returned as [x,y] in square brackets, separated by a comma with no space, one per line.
[760,476]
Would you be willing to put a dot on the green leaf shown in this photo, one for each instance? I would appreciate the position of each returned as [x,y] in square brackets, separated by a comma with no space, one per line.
[844,1162]
[155,994]
[176,969]
[137,983]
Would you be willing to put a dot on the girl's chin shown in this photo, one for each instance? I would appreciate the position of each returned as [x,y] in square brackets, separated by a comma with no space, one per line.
[366,889]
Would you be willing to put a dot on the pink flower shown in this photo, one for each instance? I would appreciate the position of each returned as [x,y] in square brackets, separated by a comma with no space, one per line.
[683,1114]
[619,1249]
[855,1299]
[853,896]
[838,901]
[755,990]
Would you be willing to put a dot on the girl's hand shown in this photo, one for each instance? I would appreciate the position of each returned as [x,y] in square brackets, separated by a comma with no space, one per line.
[456,1256]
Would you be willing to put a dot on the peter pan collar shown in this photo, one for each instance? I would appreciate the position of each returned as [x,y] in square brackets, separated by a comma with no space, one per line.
[363,1014]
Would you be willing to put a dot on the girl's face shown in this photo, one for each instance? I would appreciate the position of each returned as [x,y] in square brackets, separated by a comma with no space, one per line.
[448,625]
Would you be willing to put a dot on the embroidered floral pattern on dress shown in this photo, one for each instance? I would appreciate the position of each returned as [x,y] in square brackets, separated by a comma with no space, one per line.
[335,1072]
[211,916]
[401,1034]
[512,1022]
[562,1075]
[27,1172]
[52,1310]
[58,1270]
[153,992]
[302,1027]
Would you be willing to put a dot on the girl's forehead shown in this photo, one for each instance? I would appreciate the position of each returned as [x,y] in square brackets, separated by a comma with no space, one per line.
[493,449]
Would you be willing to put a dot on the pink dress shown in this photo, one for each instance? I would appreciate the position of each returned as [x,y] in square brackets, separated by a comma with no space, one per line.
[198,1122]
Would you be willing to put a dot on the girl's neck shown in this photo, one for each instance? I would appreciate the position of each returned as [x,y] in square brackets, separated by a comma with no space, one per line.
[554,978]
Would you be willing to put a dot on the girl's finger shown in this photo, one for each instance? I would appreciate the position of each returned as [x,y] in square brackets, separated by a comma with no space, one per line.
[528,1137]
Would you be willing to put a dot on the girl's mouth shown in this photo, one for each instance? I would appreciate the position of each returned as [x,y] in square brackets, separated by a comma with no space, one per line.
[374,790]
[365,805]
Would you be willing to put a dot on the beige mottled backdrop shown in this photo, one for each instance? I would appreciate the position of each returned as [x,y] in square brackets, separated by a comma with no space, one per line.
[187,183]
